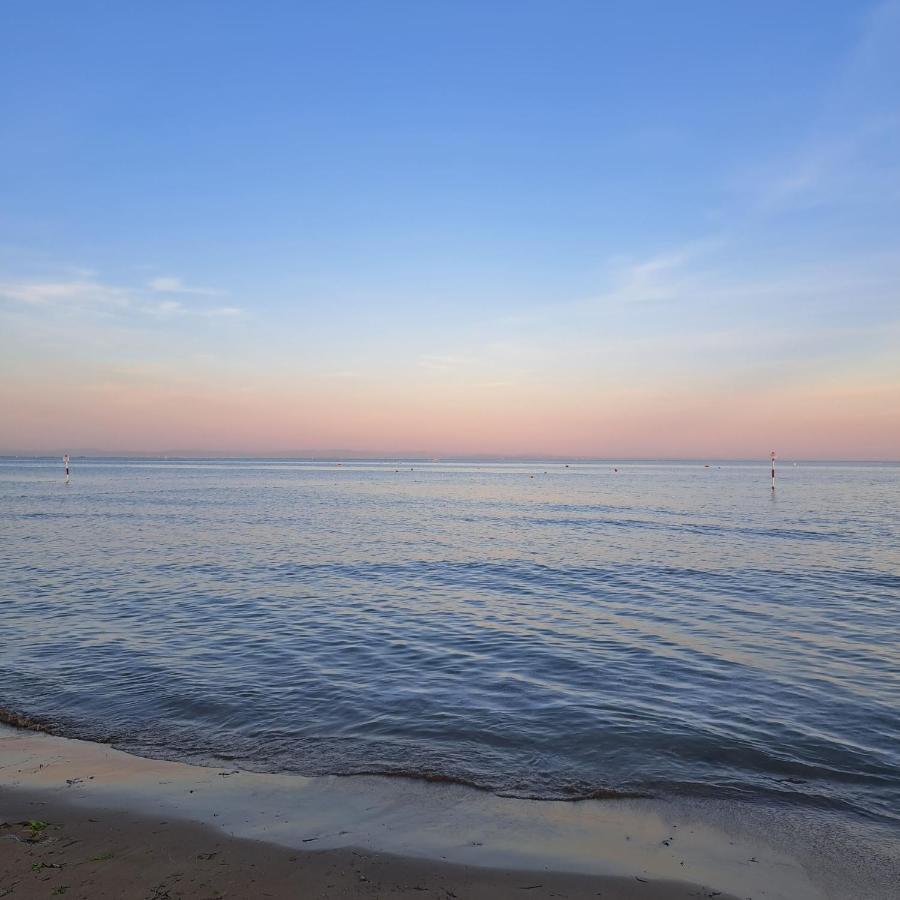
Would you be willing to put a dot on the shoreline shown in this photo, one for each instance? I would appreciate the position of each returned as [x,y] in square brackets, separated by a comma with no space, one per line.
[102,854]
[23,722]
[442,834]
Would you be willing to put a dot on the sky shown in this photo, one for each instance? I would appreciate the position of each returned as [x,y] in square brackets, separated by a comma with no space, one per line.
[506,227]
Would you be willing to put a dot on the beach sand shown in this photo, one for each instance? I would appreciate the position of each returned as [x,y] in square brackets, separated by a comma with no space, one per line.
[119,825]
[99,854]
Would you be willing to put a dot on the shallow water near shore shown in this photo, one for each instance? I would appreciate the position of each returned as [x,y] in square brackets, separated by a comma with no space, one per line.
[533,629]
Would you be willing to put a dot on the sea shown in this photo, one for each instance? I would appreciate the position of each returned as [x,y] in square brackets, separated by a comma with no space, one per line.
[552,630]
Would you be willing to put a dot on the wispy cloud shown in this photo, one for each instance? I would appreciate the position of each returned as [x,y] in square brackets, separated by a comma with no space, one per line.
[171,284]
[164,309]
[850,149]
[834,167]
[437,362]
[47,293]
[665,276]
[167,309]
[93,296]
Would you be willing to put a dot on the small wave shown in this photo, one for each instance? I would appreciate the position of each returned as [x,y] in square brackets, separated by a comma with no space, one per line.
[570,795]
[28,723]
[573,795]
[412,775]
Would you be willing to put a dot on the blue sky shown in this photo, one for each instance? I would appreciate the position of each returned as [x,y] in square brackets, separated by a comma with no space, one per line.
[526,197]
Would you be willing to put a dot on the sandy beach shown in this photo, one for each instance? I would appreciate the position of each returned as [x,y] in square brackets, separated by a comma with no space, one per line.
[109,824]
[102,853]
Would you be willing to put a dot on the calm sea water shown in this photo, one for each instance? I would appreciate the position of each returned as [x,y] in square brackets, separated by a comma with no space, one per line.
[538,630]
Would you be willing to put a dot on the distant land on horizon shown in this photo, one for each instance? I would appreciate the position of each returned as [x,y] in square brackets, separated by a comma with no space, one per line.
[340,455]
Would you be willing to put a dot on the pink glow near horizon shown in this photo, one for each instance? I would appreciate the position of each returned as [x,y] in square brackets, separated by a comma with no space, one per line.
[809,421]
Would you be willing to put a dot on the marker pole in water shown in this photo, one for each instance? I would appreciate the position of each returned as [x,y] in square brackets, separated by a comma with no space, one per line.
[773,469]
[66,464]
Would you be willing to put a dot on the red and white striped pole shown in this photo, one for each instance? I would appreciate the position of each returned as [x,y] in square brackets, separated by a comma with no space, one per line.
[773,470]
[66,464]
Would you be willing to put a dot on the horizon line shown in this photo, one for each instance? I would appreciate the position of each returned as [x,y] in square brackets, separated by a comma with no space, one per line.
[346,455]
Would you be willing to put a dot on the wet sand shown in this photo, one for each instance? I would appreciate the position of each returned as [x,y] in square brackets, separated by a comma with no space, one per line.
[118,825]
[98,854]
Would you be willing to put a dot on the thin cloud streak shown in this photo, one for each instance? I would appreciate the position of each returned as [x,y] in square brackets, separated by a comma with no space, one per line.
[47,293]
[92,296]
[173,285]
